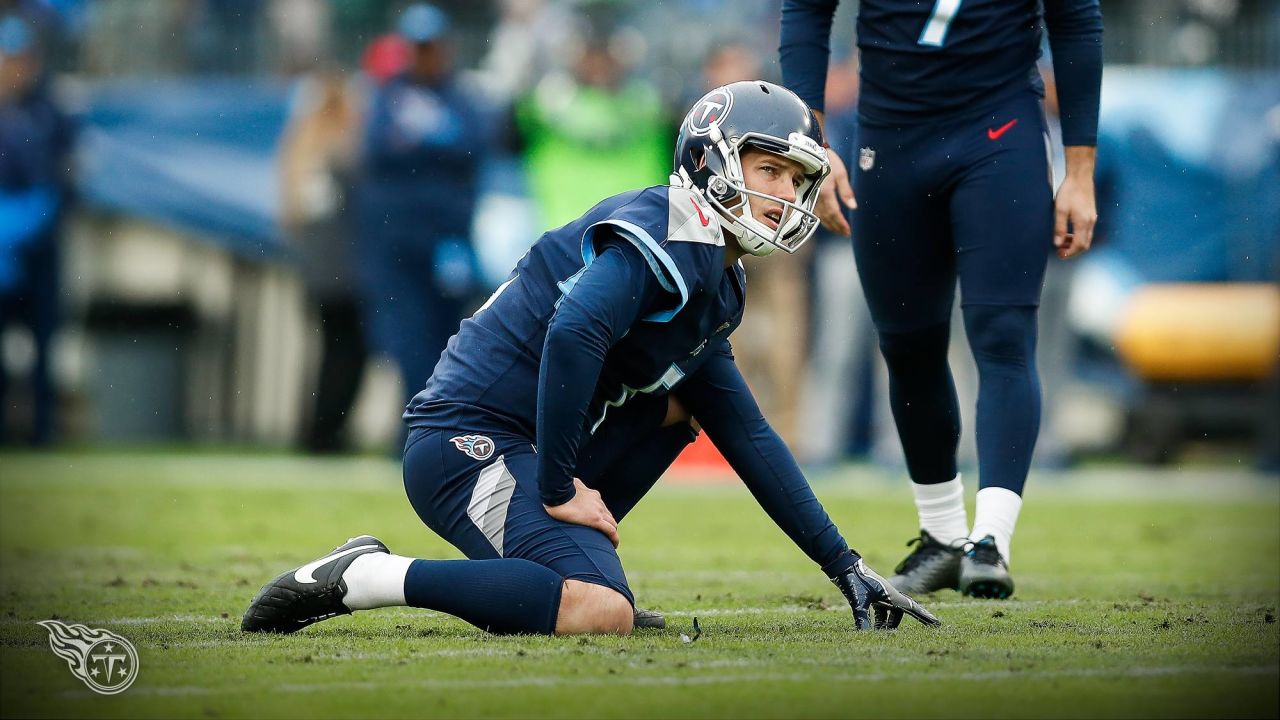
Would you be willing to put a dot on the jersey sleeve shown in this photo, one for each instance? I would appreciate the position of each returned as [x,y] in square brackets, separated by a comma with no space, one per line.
[675,231]
[718,397]
[609,296]
[804,48]
[1075,39]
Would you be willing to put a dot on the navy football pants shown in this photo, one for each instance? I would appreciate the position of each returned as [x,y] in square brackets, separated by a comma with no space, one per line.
[490,507]
[971,201]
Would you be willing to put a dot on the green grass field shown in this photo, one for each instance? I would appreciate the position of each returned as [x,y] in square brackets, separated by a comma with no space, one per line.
[1139,594]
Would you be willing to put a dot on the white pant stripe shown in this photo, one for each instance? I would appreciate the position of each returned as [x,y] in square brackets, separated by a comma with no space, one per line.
[490,500]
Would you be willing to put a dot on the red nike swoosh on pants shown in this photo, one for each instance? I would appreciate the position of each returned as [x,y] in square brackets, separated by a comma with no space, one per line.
[995,134]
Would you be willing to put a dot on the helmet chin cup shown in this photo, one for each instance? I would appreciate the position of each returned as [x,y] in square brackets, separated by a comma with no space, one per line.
[755,246]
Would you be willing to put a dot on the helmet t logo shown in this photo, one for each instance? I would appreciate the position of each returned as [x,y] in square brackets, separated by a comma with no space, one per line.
[710,111]
[709,107]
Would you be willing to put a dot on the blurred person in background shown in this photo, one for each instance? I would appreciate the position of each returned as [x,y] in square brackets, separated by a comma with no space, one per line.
[317,164]
[56,26]
[593,131]
[425,141]
[838,407]
[226,36]
[385,57]
[35,142]
[524,45]
[356,22]
[1057,342]
[954,183]
[300,32]
[729,63]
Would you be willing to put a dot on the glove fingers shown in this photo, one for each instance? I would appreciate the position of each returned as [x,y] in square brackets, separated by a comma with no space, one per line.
[861,619]
[895,619]
[917,611]
[888,617]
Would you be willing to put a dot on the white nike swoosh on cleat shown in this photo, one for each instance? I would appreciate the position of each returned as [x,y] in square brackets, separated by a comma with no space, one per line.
[303,574]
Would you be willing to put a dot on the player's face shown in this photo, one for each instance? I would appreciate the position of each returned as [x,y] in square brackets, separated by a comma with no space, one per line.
[773,175]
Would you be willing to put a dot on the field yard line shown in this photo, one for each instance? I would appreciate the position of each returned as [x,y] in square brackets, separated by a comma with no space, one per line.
[796,609]
[717,574]
[560,681]
[108,622]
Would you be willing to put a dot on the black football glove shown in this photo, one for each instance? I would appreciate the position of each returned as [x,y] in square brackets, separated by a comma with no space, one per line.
[867,592]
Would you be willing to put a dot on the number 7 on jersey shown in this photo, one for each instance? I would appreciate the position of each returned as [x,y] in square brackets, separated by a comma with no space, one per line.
[935,31]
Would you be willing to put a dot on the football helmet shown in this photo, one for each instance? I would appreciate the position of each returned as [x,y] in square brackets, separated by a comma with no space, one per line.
[760,115]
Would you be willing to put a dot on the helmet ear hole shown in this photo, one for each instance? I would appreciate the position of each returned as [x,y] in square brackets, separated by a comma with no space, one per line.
[698,156]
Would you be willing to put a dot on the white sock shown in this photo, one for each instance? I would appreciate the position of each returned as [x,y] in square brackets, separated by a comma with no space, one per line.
[941,509]
[996,515]
[375,580]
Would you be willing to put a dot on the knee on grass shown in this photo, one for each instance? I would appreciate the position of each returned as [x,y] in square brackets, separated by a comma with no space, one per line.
[587,608]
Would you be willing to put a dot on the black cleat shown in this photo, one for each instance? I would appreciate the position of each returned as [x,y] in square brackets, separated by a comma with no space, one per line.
[650,619]
[307,594]
[932,566]
[983,572]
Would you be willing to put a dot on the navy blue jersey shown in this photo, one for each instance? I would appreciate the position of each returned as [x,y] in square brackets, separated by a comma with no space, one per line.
[488,374]
[939,59]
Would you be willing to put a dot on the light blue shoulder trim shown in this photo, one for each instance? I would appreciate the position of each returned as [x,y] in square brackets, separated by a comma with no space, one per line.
[662,263]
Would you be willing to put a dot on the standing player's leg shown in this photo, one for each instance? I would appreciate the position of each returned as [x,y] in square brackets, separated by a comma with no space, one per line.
[901,241]
[1002,214]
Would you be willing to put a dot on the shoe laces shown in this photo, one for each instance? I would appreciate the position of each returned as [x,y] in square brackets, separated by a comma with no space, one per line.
[925,549]
[985,552]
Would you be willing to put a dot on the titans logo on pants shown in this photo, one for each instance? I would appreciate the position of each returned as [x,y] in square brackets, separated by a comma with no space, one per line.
[476,446]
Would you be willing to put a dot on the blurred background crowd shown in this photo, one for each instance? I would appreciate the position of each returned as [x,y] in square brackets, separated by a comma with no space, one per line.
[258,221]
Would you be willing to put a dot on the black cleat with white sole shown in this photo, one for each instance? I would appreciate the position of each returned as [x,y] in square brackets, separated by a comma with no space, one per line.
[931,567]
[984,572]
[307,594]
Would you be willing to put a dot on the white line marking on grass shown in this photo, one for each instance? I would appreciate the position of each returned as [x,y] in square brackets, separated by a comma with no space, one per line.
[840,607]
[560,681]
[212,619]
[106,622]
[718,575]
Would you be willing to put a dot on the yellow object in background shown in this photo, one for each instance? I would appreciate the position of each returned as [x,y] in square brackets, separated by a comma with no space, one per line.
[1202,331]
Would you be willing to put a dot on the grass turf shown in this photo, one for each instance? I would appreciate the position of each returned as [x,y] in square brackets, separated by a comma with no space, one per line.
[1139,594]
